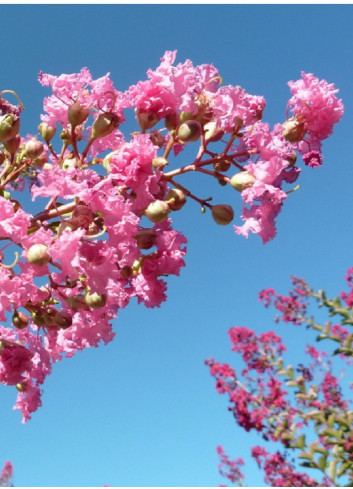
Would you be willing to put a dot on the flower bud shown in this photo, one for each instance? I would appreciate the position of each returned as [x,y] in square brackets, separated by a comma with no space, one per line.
[12,145]
[159,162]
[241,181]
[63,319]
[176,199]
[95,300]
[66,136]
[39,319]
[126,272]
[9,127]
[221,166]
[187,116]
[20,319]
[41,160]
[292,159]
[47,132]
[34,149]
[104,125]
[146,238]
[146,120]
[213,133]
[223,214]
[294,130]
[21,387]
[77,114]
[157,211]
[172,121]
[77,302]
[38,255]
[189,131]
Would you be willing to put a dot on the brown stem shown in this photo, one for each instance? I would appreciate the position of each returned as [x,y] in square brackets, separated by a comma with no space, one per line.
[50,146]
[12,176]
[214,174]
[85,151]
[169,147]
[49,214]
[202,202]
[231,139]
[74,143]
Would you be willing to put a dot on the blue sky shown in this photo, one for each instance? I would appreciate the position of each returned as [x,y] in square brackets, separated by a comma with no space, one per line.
[143,411]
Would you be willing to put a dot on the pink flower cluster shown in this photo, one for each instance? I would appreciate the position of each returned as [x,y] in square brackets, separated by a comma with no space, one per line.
[301,407]
[292,307]
[230,468]
[6,475]
[315,110]
[279,472]
[104,235]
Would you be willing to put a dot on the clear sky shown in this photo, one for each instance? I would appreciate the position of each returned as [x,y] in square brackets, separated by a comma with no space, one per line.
[143,410]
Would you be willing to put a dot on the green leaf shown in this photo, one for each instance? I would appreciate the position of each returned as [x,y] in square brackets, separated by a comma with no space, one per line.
[306,455]
[332,469]
[301,441]
[322,462]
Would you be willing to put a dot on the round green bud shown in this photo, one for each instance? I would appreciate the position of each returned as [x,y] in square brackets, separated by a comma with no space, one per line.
[146,238]
[95,300]
[292,159]
[34,149]
[47,132]
[159,162]
[172,121]
[223,214]
[21,387]
[20,320]
[212,132]
[76,302]
[241,181]
[13,144]
[9,127]
[38,254]
[77,114]
[176,199]
[39,319]
[222,166]
[189,131]
[62,319]
[126,272]
[187,116]
[157,211]
[104,125]
[293,130]
[41,160]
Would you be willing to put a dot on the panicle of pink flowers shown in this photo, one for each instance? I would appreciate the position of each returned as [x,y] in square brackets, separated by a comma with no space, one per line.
[315,110]
[230,469]
[6,475]
[348,297]
[293,306]
[105,236]
[304,407]
[253,399]
[279,472]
